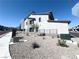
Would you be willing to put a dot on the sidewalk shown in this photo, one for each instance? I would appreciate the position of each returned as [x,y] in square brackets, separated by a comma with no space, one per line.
[4,46]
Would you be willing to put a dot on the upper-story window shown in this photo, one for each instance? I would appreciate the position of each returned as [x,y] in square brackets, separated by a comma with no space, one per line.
[39,19]
[31,22]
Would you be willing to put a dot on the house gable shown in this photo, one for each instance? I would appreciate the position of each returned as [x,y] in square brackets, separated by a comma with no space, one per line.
[49,15]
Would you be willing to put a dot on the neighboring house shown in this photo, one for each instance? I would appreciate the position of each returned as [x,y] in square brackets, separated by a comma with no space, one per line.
[46,23]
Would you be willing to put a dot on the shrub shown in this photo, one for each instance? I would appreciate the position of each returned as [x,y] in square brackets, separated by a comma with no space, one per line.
[42,34]
[35,45]
[62,43]
[43,37]
[78,44]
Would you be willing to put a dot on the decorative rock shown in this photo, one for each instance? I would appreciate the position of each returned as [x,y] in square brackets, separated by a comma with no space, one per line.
[12,43]
[22,40]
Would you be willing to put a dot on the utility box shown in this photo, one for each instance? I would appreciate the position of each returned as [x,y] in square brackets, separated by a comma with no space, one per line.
[65,36]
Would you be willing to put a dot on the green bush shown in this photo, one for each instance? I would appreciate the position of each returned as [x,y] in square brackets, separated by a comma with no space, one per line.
[62,43]
[65,36]
[78,44]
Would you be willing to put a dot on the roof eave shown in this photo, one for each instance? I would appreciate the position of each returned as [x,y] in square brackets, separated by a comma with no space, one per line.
[66,21]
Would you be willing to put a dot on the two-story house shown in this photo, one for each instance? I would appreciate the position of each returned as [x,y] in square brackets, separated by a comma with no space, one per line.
[46,23]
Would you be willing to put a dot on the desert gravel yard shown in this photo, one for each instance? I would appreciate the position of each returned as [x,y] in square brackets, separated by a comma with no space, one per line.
[46,48]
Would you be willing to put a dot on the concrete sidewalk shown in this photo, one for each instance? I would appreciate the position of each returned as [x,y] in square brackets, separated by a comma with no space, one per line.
[4,46]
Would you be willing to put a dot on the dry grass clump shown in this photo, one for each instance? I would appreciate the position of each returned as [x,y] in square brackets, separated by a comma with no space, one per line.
[62,43]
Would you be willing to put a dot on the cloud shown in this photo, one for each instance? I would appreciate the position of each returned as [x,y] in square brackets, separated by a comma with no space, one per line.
[75,10]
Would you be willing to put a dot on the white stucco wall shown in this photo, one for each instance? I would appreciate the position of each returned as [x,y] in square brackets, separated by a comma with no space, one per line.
[26,26]
[44,18]
[62,28]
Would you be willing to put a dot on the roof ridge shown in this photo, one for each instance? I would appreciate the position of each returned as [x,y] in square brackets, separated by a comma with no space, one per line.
[48,12]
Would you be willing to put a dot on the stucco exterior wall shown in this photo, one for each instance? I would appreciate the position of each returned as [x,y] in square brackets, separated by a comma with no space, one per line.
[26,26]
[44,18]
[44,26]
[61,28]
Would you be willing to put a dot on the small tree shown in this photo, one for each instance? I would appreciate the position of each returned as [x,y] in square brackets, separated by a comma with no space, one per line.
[35,27]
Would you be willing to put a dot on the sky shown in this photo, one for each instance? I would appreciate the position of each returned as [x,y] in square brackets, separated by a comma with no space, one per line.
[13,11]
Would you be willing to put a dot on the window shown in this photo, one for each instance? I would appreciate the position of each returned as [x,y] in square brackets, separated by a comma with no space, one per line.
[39,19]
[31,22]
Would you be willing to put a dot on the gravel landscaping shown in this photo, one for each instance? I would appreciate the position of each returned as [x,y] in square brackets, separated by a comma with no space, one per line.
[38,48]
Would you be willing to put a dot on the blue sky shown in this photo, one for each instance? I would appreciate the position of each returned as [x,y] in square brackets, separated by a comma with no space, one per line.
[13,11]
